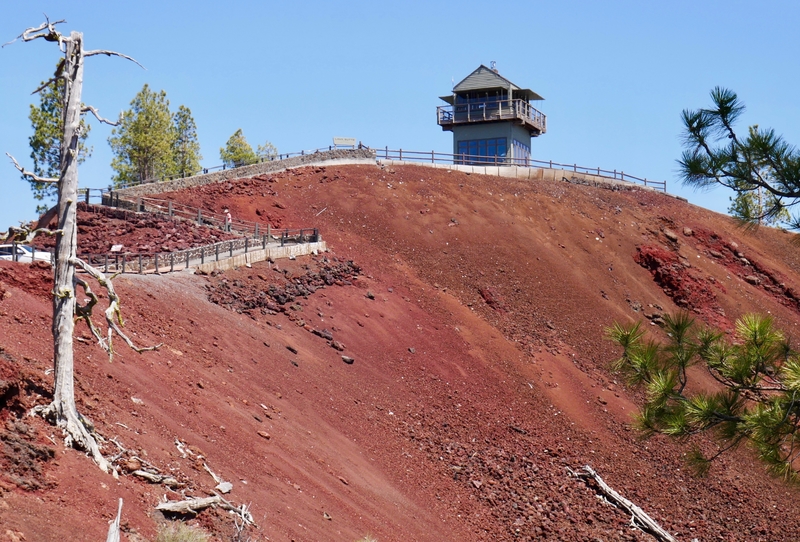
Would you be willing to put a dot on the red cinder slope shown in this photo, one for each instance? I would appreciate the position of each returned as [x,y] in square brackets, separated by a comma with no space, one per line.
[474,312]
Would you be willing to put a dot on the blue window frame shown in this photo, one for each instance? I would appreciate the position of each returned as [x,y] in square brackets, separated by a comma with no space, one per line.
[522,153]
[480,151]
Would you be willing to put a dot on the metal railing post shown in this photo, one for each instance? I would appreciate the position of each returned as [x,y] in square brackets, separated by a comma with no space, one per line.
[171,262]
[140,264]
[246,239]
[216,251]
[170,208]
[156,263]
[255,235]
[230,247]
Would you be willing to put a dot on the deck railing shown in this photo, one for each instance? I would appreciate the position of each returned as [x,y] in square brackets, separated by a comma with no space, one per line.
[491,110]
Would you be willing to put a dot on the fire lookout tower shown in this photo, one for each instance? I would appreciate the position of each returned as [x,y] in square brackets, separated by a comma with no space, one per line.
[492,119]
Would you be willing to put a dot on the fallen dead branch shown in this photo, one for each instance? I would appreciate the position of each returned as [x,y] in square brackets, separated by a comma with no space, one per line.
[639,518]
[189,506]
[113,528]
[193,506]
[168,481]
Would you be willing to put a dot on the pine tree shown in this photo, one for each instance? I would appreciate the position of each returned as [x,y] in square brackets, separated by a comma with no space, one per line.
[47,121]
[185,147]
[715,155]
[757,399]
[142,143]
[267,151]
[237,151]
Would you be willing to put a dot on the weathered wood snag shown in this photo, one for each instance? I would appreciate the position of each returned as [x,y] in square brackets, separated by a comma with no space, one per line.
[63,411]
[639,517]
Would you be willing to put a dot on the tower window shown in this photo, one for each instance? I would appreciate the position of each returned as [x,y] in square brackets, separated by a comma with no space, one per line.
[477,151]
[522,153]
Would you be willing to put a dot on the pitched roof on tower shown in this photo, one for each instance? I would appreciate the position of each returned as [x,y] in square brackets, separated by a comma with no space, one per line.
[484,78]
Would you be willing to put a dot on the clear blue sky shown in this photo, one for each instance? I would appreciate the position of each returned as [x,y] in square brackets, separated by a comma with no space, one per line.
[615,75]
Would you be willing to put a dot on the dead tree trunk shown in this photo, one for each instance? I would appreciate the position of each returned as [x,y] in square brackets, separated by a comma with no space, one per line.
[63,411]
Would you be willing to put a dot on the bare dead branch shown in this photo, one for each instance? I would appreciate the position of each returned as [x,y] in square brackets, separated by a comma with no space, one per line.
[25,235]
[243,511]
[112,53]
[46,84]
[168,481]
[113,315]
[193,506]
[639,518]
[84,312]
[113,528]
[189,506]
[46,30]
[32,176]
[93,111]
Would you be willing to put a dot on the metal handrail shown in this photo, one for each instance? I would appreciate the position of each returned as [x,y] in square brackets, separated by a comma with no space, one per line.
[221,167]
[438,157]
[467,159]
[167,262]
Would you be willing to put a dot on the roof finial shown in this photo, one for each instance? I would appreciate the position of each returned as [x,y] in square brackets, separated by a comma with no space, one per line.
[493,65]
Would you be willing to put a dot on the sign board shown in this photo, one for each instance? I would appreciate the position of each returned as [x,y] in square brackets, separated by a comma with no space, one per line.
[344,142]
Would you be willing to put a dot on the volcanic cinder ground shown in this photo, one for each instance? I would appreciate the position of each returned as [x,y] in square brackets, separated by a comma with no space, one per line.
[473,309]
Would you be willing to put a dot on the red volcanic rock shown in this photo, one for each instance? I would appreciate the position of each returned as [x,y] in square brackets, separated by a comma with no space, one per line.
[458,422]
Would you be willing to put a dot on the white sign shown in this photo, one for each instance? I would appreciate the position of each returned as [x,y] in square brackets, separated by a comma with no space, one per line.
[344,142]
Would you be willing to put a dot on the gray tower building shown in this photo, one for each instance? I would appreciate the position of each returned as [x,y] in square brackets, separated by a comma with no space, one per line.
[492,119]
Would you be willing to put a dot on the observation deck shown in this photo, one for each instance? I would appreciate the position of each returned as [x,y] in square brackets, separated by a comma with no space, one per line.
[492,110]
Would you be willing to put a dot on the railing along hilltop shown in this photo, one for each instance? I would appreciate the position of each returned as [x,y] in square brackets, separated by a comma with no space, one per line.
[434,157]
